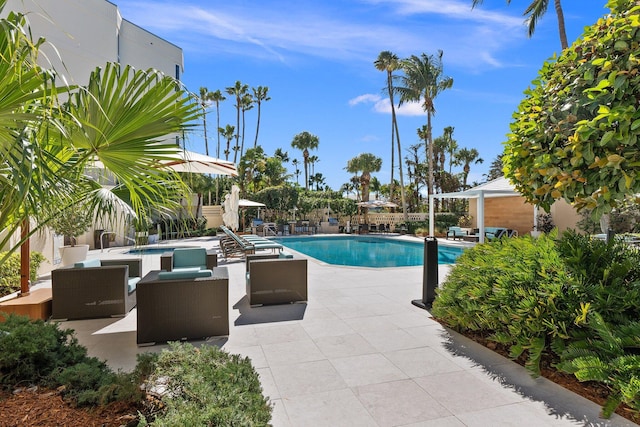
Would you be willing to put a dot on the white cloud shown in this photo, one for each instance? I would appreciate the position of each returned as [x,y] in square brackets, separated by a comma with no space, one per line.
[366,98]
[382,105]
[285,30]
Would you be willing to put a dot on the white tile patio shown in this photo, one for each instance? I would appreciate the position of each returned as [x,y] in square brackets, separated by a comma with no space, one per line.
[358,353]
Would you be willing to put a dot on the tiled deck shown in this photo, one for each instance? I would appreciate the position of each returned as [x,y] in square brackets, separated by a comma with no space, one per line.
[360,354]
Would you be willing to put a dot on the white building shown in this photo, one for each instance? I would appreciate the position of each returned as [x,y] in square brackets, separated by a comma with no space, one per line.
[82,35]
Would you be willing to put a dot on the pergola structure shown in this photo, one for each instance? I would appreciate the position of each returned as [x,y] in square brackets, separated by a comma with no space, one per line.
[499,187]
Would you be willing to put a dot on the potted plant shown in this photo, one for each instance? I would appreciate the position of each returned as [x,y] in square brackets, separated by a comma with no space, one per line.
[71,223]
[141,226]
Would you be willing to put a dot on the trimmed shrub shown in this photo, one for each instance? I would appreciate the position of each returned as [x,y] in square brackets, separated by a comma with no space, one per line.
[10,271]
[517,291]
[207,386]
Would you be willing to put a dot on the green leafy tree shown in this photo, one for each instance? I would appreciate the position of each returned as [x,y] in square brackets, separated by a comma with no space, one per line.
[423,81]
[495,169]
[305,141]
[535,11]
[575,135]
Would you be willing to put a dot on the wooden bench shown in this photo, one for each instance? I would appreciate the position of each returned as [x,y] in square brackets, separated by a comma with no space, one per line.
[36,305]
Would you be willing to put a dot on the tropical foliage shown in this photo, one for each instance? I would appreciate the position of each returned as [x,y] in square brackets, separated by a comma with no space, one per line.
[118,119]
[575,134]
[423,80]
[535,11]
[305,141]
[571,301]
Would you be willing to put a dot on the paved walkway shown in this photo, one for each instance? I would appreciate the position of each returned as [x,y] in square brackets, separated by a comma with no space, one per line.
[360,354]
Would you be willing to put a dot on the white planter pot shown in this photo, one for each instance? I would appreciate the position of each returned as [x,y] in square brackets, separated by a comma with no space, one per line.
[536,233]
[72,254]
[153,238]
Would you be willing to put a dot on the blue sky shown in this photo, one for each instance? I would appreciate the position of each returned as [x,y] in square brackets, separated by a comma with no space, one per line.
[317,58]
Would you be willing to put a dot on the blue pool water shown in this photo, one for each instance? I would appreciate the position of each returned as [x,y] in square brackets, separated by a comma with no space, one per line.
[366,251]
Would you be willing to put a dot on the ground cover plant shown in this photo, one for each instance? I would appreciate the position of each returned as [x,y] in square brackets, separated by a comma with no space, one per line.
[568,302]
[206,386]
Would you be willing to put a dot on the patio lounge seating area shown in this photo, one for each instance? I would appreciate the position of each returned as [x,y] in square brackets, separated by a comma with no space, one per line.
[95,288]
[188,258]
[456,233]
[241,245]
[276,279]
[356,353]
[181,305]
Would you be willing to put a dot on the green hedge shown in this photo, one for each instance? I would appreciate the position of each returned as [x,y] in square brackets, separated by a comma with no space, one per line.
[10,271]
[537,295]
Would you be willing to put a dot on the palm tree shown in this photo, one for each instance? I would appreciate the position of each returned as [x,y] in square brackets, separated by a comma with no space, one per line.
[534,11]
[465,157]
[116,119]
[375,186]
[218,97]
[238,90]
[365,163]
[282,155]
[205,99]
[312,162]
[227,133]
[259,95]
[295,163]
[495,170]
[389,62]
[305,141]
[423,81]
[246,105]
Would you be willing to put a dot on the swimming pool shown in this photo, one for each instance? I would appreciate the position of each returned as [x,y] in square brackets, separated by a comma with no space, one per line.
[367,251]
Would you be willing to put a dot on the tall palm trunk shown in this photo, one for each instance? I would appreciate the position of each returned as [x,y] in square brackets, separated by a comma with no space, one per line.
[393,128]
[204,126]
[237,147]
[305,154]
[430,165]
[561,28]
[403,196]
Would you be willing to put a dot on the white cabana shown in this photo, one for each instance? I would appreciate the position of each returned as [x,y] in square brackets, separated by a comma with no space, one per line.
[499,187]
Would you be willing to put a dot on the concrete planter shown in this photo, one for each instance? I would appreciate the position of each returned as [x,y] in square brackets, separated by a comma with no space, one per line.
[72,254]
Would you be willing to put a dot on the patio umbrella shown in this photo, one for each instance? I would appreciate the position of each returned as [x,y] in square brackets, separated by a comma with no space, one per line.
[230,206]
[377,204]
[244,203]
[189,161]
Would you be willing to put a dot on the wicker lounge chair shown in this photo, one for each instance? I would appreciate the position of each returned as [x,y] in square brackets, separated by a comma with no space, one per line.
[95,288]
[456,233]
[491,233]
[276,279]
[182,258]
[183,305]
[241,245]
